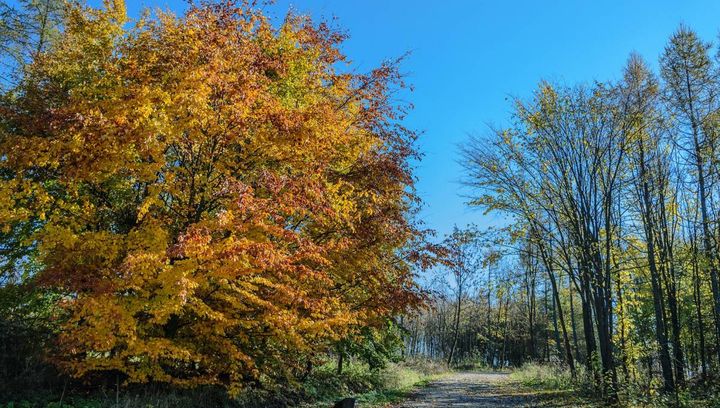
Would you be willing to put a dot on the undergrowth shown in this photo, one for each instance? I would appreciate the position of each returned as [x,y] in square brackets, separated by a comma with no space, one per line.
[554,386]
[323,387]
[544,376]
[370,387]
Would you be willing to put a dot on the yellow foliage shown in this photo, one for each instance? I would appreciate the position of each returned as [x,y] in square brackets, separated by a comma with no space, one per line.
[212,196]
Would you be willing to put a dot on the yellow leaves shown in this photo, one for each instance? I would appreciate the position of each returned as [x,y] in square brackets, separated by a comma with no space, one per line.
[172,290]
[152,199]
[212,179]
[68,250]
[343,201]
[57,235]
[101,320]
[117,9]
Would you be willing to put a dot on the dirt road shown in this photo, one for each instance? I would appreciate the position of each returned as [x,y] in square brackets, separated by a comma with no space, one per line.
[469,389]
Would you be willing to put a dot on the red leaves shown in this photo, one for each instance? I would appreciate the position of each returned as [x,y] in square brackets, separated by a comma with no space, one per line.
[219,199]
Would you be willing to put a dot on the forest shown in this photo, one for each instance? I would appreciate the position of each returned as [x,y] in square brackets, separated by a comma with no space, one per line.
[609,262]
[213,208]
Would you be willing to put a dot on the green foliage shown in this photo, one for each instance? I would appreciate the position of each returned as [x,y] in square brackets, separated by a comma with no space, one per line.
[553,384]
[323,386]
[138,398]
[375,346]
[357,378]
[543,376]
[369,386]
[28,319]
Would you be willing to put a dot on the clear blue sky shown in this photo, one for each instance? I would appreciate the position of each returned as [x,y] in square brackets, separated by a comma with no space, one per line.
[469,56]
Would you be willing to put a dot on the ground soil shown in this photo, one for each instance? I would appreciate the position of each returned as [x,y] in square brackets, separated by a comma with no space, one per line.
[471,389]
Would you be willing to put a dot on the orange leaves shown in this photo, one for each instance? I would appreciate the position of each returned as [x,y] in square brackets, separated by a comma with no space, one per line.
[214,199]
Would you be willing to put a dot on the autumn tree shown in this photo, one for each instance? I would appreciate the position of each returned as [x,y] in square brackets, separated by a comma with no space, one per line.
[216,200]
[559,173]
[690,88]
[644,126]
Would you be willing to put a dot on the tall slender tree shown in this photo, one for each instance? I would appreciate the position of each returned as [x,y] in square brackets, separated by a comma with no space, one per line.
[690,86]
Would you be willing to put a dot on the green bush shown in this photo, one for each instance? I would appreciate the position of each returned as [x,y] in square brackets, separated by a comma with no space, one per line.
[369,385]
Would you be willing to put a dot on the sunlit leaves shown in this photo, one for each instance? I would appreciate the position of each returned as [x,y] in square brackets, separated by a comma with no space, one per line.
[214,197]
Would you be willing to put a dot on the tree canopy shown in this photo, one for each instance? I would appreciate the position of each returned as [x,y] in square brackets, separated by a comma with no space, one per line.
[215,199]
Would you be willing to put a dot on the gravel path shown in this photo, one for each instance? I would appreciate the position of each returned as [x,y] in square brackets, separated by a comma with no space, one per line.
[469,389]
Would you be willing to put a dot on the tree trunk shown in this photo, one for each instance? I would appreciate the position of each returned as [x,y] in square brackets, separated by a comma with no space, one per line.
[707,244]
[547,261]
[698,309]
[456,324]
[341,355]
[660,330]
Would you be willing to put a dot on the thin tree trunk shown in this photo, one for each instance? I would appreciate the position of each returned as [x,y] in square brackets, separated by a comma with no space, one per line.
[341,356]
[456,328]
[707,244]
[648,222]
[698,309]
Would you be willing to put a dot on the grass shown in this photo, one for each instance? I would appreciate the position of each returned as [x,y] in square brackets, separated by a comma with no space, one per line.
[552,386]
[548,385]
[543,377]
[371,388]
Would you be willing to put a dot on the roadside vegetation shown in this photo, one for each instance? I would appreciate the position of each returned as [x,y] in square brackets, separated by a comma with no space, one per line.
[217,209]
[554,386]
[372,387]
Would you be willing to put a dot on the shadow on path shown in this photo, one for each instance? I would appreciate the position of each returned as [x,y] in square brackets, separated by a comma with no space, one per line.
[469,389]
